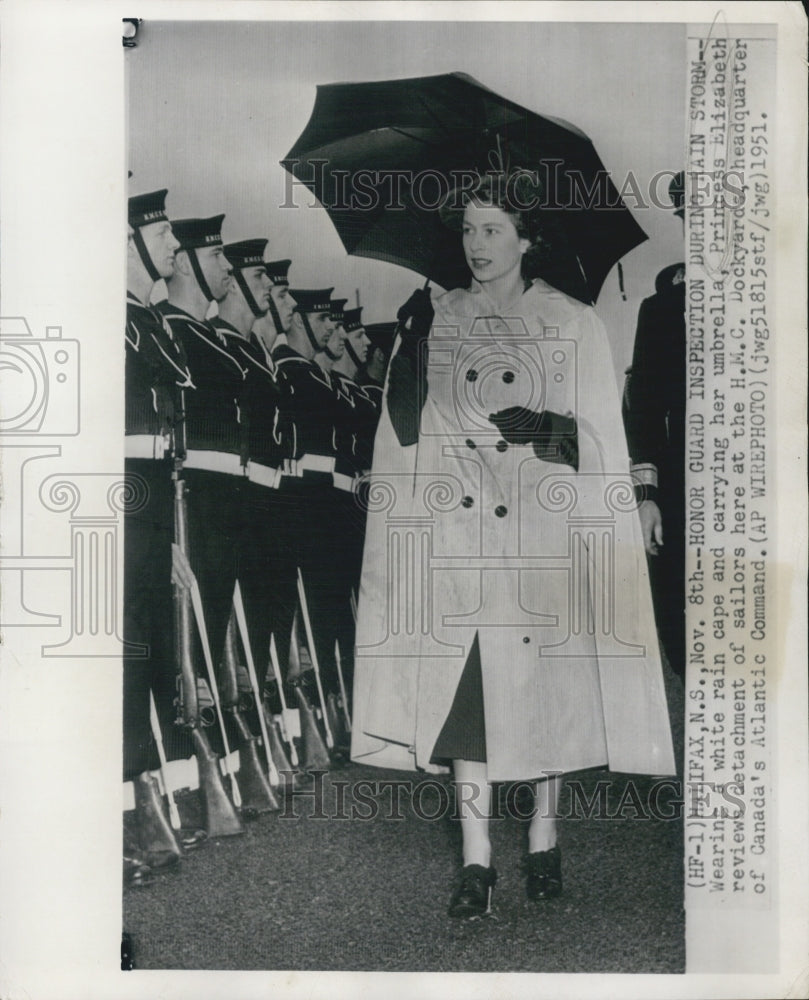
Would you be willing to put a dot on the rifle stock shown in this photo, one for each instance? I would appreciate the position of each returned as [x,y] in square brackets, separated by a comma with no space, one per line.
[220,816]
[155,835]
[315,755]
[257,794]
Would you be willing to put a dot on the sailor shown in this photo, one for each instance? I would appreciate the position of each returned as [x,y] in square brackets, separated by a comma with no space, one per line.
[347,371]
[333,347]
[267,564]
[156,373]
[213,467]
[200,276]
[356,418]
[275,322]
[310,402]
[372,375]
[308,398]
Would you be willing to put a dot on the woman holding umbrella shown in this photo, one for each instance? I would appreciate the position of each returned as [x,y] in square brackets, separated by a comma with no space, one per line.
[505,622]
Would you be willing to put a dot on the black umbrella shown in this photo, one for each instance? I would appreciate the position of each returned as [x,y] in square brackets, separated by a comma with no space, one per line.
[381,156]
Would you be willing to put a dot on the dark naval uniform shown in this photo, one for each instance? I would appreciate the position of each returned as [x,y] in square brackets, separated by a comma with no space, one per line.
[268,561]
[382,337]
[373,390]
[654,418]
[214,465]
[156,376]
[309,401]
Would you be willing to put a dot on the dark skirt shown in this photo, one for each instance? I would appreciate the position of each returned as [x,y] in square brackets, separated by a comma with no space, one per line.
[463,736]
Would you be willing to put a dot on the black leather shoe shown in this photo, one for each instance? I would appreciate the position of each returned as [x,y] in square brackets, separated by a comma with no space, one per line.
[160,861]
[544,874]
[473,897]
[136,871]
[190,838]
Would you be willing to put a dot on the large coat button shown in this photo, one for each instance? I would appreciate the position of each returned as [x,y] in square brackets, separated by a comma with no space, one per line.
[500,511]
[467,502]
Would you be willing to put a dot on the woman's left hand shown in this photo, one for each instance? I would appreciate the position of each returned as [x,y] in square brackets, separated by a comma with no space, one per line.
[555,437]
[517,424]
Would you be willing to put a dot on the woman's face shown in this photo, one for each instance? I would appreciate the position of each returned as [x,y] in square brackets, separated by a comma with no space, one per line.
[490,242]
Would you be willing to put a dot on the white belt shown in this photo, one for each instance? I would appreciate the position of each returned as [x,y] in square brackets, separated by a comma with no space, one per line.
[264,475]
[308,463]
[347,483]
[146,445]
[214,461]
[315,463]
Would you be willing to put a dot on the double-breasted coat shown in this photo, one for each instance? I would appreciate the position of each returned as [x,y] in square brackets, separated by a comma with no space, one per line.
[468,535]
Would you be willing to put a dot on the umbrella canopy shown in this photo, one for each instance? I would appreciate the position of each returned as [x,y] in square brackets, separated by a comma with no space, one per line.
[382,156]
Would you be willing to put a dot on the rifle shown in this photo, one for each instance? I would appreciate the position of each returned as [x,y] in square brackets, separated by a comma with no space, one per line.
[241,619]
[341,679]
[313,749]
[258,795]
[293,755]
[174,813]
[188,837]
[315,755]
[220,816]
[310,639]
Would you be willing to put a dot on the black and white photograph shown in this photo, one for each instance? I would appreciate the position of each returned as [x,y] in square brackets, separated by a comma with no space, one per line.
[414,588]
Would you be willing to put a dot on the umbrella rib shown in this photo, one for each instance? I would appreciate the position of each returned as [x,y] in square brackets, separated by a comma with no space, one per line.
[432,113]
[415,138]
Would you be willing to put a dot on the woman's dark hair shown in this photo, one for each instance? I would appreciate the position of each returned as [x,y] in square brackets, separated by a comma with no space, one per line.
[520,194]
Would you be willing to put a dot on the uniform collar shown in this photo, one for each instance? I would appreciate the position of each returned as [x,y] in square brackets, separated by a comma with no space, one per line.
[222,326]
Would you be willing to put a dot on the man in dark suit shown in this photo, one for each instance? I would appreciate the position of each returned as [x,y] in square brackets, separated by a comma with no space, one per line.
[654,418]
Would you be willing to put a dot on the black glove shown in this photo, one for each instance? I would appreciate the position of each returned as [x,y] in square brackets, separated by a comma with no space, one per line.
[419,310]
[518,425]
[553,436]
